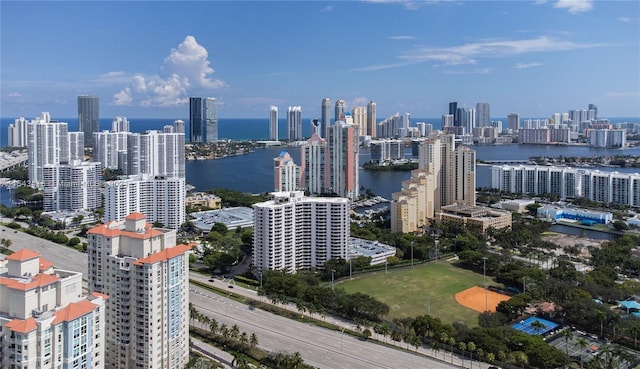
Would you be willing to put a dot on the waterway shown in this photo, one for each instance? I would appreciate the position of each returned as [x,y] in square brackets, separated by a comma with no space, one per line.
[582,232]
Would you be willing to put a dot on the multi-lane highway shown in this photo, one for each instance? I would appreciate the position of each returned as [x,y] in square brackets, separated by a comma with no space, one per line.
[320,347]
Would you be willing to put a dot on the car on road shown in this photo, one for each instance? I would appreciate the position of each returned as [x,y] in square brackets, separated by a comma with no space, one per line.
[212,280]
[230,286]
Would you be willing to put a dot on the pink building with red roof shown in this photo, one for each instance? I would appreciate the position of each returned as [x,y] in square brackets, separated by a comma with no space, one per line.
[47,321]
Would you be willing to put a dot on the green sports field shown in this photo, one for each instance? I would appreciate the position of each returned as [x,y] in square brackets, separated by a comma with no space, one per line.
[406,290]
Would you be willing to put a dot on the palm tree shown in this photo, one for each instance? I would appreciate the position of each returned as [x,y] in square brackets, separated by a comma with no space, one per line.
[471,347]
[253,340]
[224,331]
[192,312]
[583,344]
[463,347]
[235,332]
[601,315]
[635,329]
[491,357]
[567,335]
[244,338]
[213,326]
[444,338]
[538,326]
[452,342]
[480,353]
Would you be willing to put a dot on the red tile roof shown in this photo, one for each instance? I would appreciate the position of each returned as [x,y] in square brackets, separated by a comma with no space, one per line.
[73,311]
[98,294]
[45,264]
[116,232]
[135,216]
[38,280]
[23,255]
[22,326]
[163,255]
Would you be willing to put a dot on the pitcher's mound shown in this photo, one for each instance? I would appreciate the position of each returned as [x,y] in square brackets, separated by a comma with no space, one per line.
[475,298]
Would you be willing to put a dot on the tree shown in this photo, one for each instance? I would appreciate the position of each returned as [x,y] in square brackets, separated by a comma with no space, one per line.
[463,347]
[472,348]
[253,340]
[538,326]
[213,326]
[602,316]
[451,342]
[583,345]
[567,336]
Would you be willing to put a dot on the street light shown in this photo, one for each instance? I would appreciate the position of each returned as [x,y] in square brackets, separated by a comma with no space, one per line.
[437,241]
[332,272]
[411,254]
[484,282]
[350,273]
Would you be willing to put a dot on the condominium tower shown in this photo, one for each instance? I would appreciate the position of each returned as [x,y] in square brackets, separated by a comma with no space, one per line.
[339,110]
[371,119]
[46,320]
[483,115]
[210,116]
[273,123]
[325,116]
[293,232]
[359,116]
[88,117]
[294,123]
[146,276]
[195,119]
[286,174]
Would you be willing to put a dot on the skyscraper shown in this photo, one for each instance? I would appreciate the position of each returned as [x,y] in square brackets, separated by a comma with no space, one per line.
[294,123]
[17,136]
[594,108]
[286,174]
[513,121]
[325,118]
[343,160]
[48,144]
[273,123]
[88,117]
[359,115]
[483,115]
[195,119]
[146,276]
[371,119]
[453,109]
[210,115]
[339,110]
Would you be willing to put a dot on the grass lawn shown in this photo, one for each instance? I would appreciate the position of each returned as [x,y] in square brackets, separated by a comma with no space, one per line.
[406,290]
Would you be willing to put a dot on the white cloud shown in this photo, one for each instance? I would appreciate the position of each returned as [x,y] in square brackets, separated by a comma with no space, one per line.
[574,6]
[472,71]
[358,101]
[470,53]
[408,4]
[526,65]
[15,94]
[327,8]
[186,69]
[628,19]
[402,37]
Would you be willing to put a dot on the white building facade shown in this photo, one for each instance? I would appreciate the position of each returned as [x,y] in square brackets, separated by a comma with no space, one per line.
[294,232]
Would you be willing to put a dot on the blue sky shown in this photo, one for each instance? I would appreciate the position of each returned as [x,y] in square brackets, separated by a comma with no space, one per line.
[144,59]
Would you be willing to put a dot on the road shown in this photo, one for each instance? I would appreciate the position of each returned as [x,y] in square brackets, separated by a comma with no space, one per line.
[318,346]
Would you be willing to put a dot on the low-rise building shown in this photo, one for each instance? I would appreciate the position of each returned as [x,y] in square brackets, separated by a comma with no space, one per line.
[554,212]
[378,252]
[478,217]
[203,199]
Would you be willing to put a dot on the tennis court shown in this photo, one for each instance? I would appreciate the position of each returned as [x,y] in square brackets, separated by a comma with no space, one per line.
[530,326]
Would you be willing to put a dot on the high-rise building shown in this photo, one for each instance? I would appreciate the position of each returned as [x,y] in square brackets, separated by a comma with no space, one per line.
[469,120]
[178,126]
[513,121]
[446,176]
[48,144]
[593,108]
[273,123]
[448,120]
[459,119]
[294,123]
[120,124]
[343,148]
[162,198]
[286,174]
[316,126]
[453,109]
[483,115]
[341,105]
[156,153]
[359,116]
[88,117]
[314,165]
[74,186]
[371,119]
[46,321]
[17,133]
[293,232]
[147,276]
[110,149]
[210,116]
[195,119]
[325,116]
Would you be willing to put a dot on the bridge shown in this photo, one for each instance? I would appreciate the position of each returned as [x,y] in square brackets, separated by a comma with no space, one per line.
[9,162]
[518,161]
